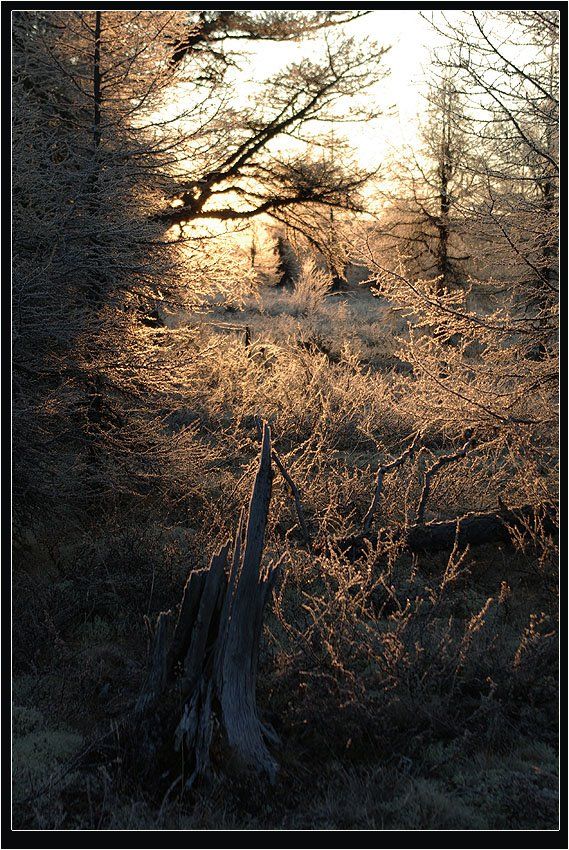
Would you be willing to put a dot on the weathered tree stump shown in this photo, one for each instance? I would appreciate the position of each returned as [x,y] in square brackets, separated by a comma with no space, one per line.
[213,652]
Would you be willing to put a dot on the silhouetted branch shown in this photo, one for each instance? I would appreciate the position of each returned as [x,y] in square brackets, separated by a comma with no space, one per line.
[296,496]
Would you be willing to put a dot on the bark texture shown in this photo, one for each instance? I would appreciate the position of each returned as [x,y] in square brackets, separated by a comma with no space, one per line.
[213,652]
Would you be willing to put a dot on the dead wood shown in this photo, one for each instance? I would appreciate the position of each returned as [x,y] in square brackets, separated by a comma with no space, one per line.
[212,657]
[383,470]
[444,460]
[296,496]
[476,529]
[473,529]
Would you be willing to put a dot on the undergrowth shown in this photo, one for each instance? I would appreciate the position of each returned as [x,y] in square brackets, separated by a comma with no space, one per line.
[410,692]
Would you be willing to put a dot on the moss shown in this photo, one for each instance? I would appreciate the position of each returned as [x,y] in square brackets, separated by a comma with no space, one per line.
[39,750]
[96,631]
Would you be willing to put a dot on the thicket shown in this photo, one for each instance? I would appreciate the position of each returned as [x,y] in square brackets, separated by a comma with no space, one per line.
[408,688]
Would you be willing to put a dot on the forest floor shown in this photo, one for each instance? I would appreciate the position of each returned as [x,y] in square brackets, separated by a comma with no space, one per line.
[409,692]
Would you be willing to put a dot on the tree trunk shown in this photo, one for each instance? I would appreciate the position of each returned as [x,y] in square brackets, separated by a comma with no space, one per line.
[286,270]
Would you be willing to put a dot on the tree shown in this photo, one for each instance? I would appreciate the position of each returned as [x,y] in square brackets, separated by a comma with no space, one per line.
[243,174]
[102,142]
[84,256]
[423,220]
[498,376]
[507,69]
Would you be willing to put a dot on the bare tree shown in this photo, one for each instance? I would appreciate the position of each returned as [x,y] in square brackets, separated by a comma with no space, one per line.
[507,69]
[423,220]
[244,175]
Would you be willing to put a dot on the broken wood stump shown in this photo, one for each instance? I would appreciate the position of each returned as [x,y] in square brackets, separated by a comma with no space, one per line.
[211,652]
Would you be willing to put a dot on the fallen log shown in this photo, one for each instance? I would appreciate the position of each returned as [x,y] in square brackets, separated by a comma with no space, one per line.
[503,525]
[476,529]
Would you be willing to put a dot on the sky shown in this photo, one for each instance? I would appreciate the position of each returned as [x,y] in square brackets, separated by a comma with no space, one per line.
[408,36]
[400,94]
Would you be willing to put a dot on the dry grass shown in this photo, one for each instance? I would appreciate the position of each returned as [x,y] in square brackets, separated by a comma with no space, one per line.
[423,689]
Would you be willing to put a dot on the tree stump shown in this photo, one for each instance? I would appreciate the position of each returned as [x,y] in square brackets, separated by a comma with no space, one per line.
[213,651]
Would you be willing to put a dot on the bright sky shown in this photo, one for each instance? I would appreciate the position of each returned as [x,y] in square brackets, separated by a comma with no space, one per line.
[409,37]
[399,94]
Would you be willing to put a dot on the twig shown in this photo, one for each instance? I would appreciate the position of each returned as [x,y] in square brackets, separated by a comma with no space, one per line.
[296,496]
[515,420]
[429,473]
[387,467]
